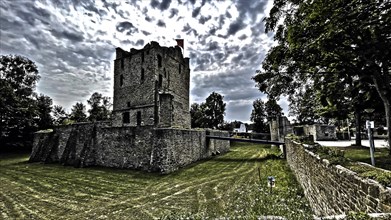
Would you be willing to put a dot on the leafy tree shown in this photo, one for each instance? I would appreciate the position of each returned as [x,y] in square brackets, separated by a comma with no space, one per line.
[59,115]
[335,45]
[78,112]
[214,110]
[227,126]
[259,116]
[197,114]
[99,107]
[305,106]
[209,114]
[273,109]
[18,78]
[44,108]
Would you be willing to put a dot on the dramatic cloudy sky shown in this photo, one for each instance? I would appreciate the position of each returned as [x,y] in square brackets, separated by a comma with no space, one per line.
[73,43]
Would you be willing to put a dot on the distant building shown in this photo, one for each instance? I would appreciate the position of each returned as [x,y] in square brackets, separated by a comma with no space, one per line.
[320,132]
[241,129]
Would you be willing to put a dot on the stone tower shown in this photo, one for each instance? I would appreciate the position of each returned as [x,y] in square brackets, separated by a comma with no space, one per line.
[151,87]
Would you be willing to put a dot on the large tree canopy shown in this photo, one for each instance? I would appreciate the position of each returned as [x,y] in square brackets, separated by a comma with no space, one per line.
[18,78]
[209,114]
[334,46]
[214,110]
[100,107]
[44,108]
[197,115]
[259,116]
[78,112]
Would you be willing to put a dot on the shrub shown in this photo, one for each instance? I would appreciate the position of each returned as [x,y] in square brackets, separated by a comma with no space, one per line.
[358,216]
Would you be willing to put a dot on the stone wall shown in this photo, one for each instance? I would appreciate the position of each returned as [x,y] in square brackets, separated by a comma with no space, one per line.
[279,128]
[145,148]
[333,190]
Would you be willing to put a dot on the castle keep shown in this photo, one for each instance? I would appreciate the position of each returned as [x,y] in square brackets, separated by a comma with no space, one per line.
[150,125]
[151,87]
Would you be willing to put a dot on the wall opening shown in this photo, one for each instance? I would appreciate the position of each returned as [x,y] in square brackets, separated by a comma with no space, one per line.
[121,80]
[142,75]
[159,61]
[128,104]
[160,80]
[122,63]
[138,118]
[180,68]
[142,57]
[125,117]
[165,73]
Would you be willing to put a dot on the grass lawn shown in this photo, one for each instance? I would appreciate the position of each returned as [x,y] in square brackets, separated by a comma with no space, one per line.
[225,186]
[382,160]
[361,154]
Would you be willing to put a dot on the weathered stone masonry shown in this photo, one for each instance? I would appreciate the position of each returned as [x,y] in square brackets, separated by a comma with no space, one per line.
[151,87]
[149,130]
[334,190]
[161,150]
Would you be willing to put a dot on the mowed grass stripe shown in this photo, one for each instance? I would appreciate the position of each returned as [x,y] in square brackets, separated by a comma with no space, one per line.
[56,189]
[209,188]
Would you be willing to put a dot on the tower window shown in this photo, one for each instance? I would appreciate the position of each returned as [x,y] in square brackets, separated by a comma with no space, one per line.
[125,117]
[128,104]
[122,63]
[138,118]
[180,68]
[142,75]
[159,61]
[142,57]
[121,80]
[160,80]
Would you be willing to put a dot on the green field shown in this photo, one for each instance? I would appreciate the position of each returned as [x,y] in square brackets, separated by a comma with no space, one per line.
[225,186]
[382,157]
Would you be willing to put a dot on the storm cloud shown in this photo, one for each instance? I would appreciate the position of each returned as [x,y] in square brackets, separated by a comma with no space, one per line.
[225,41]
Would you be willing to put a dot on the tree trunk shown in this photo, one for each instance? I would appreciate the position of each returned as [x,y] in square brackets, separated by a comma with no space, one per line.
[383,87]
[357,115]
[388,119]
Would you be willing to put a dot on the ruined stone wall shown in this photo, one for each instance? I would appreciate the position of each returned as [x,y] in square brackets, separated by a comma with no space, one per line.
[145,148]
[124,147]
[325,133]
[319,132]
[177,148]
[333,190]
[279,128]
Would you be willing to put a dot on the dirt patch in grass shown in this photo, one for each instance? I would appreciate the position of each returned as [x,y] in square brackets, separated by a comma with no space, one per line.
[225,186]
